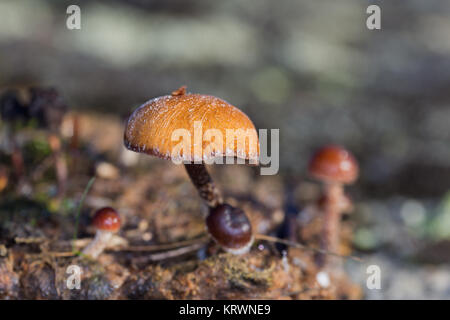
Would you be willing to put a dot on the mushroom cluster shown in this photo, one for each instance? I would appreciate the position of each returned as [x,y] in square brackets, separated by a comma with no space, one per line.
[155,129]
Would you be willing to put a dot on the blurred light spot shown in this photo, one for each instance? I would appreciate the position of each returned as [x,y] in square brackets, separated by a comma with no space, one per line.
[365,239]
[22,19]
[124,37]
[332,61]
[435,33]
[128,158]
[323,279]
[107,170]
[413,213]
[271,85]
[439,227]
[147,236]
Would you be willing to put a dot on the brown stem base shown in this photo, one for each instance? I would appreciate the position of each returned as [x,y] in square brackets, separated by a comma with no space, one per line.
[331,219]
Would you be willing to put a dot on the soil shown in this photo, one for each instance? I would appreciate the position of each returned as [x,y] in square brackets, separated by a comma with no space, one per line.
[158,205]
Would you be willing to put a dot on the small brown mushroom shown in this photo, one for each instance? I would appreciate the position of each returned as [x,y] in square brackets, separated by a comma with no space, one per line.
[230,228]
[335,167]
[151,129]
[107,222]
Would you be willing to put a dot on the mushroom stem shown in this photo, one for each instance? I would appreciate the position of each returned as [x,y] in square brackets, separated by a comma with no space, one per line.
[204,184]
[332,209]
[96,246]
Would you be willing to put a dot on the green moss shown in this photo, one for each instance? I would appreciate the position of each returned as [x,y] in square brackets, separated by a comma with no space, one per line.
[238,271]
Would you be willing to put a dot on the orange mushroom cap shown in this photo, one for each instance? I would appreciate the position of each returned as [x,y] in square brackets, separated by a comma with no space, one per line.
[106,219]
[334,164]
[150,128]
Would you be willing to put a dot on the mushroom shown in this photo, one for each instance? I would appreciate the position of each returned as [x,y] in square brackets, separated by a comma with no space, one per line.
[153,129]
[107,222]
[230,228]
[335,167]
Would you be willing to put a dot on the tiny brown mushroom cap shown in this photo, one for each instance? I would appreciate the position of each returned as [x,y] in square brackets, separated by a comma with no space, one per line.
[149,129]
[106,219]
[230,228]
[334,164]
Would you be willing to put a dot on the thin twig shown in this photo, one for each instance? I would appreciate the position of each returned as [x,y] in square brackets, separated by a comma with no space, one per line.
[175,252]
[192,243]
[29,240]
[63,254]
[164,246]
[300,246]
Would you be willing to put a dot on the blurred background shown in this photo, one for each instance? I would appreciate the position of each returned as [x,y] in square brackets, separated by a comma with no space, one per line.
[311,69]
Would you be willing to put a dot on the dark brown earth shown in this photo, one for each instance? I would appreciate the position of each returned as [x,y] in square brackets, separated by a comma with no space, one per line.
[158,205]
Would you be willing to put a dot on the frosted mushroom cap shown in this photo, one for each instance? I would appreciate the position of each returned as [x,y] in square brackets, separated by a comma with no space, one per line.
[334,164]
[191,127]
[106,219]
